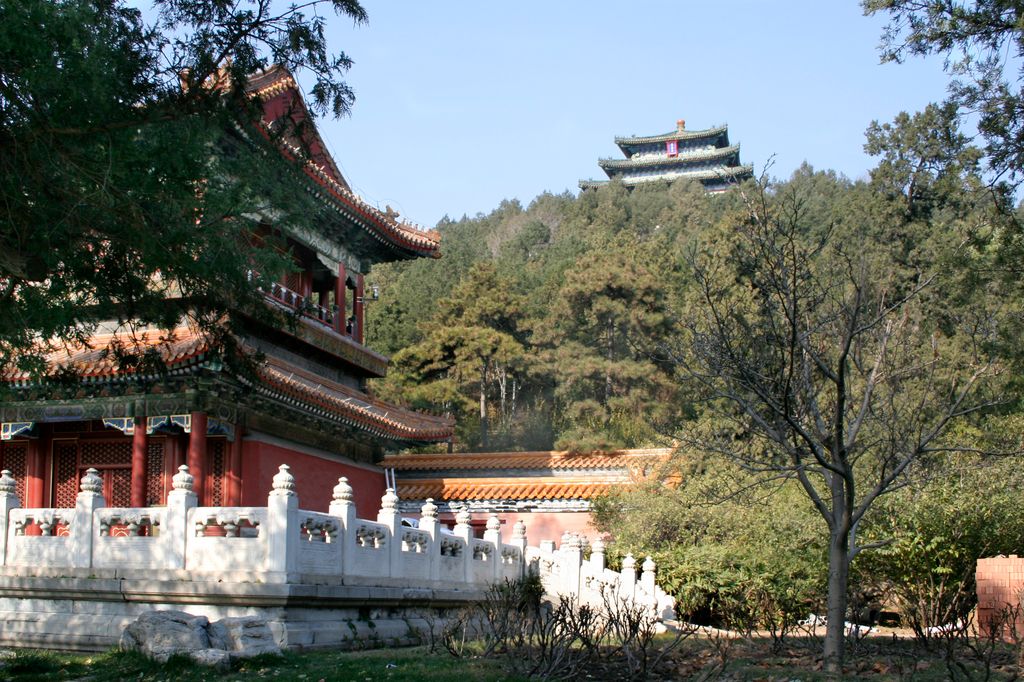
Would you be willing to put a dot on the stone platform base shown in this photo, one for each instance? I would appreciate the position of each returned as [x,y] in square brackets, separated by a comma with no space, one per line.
[88,613]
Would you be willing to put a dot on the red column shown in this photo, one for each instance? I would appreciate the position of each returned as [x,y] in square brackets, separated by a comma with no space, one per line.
[339,299]
[234,469]
[34,469]
[358,308]
[197,454]
[140,445]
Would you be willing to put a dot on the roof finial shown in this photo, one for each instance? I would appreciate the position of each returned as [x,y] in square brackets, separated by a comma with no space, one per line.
[681,125]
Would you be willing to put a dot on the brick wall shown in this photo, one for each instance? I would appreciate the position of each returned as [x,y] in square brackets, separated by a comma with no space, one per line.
[1000,582]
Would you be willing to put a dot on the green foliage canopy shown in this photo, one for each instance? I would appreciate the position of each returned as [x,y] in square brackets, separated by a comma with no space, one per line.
[129,171]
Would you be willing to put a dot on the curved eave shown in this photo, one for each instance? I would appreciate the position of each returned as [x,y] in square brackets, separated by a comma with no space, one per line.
[100,366]
[726,173]
[405,241]
[731,173]
[674,135]
[356,410]
[717,154]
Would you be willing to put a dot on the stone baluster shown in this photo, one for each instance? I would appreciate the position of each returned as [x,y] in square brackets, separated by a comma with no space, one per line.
[8,501]
[343,507]
[648,585]
[392,518]
[430,525]
[647,577]
[282,527]
[464,532]
[563,542]
[519,540]
[627,582]
[572,563]
[82,526]
[180,499]
[493,535]
[597,557]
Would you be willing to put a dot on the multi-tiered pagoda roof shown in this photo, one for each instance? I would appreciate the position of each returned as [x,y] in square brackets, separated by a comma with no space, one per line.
[702,155]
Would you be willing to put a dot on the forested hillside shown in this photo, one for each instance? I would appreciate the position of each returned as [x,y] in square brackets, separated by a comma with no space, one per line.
[555,324]
[536,327]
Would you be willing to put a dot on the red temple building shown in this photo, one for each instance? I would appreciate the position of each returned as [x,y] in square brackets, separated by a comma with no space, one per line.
[304,403]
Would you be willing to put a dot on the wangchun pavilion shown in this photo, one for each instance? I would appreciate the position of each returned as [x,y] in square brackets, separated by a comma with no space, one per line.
[703,155]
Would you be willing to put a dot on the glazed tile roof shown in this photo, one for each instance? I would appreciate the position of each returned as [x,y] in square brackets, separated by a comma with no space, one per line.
[292,384]
[674,135]
[464,490]
[684,157]
[723,173]
[185,350]
[554,460]
[94,361]
[277,82]
[520,476]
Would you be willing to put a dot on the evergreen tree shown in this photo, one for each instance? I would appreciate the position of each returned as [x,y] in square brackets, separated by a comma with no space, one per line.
[130,166]
[470,354]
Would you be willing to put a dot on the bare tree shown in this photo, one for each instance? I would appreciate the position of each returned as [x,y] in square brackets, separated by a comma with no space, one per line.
[820,357]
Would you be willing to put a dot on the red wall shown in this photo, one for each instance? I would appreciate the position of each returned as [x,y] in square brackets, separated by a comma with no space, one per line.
[1000,581]
[539,525]
[315,478]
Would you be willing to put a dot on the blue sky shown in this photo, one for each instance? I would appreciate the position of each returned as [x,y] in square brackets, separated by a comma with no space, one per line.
[462,104]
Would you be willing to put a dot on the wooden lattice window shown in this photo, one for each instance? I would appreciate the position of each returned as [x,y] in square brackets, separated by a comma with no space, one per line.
[119,483]
[65,473]
[155,491]
[216,451]
[105,453]
[13,456]
[112,458]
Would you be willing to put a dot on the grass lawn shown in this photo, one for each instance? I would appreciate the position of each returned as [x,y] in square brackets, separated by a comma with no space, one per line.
[877,659]
[411,665]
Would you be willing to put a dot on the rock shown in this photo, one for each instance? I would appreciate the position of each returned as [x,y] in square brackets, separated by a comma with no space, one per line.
[218,659]
[243,637]
[161,634]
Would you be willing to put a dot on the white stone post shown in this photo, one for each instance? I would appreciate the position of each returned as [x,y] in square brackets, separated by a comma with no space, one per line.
[180,499]
[343,507]
[430,525]
[464,532]
[648,585]
[572,562]
[282,526]
[627,582]
[563,542]
[597,558]
[8,501]
[493,535]
[392,518]
[82,527]
[519,540]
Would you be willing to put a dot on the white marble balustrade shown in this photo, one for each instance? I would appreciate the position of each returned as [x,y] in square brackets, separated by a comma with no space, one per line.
[283,543]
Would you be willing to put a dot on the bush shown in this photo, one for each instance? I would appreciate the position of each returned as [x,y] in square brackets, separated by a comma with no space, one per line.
[562,640]
[936,532]
[733,556]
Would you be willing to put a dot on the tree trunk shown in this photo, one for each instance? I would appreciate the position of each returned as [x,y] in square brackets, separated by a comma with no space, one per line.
[483,407]
[838,578]
[502,388]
